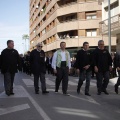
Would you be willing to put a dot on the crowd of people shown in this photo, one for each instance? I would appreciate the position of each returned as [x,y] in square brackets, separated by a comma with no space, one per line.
[87,64]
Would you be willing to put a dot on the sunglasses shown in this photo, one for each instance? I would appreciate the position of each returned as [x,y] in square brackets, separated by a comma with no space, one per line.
[39,46]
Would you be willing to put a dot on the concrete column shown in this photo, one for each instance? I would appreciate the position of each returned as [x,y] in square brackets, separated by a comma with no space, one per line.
[118,43]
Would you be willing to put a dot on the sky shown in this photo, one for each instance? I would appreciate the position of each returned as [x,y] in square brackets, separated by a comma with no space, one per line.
[14,22]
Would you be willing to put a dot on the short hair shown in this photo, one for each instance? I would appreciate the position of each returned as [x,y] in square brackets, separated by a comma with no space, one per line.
[85,43]
[62,42]
[100,41]
[9,41]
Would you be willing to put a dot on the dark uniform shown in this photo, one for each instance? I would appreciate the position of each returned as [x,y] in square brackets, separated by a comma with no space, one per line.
[102,59]
[38,68]
[9,65]
[84,58]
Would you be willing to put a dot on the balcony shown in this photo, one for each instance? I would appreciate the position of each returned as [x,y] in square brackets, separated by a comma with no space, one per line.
[77,41]
[115,25]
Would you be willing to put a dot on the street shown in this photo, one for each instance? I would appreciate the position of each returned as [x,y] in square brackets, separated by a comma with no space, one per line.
[26,105]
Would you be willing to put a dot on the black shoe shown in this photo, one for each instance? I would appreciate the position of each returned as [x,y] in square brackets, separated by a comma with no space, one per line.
[105,91]
[12,93]
[56,91]
[8,93]
[99,93]
[116,89]
[45,92]
[87,94]
[66,94]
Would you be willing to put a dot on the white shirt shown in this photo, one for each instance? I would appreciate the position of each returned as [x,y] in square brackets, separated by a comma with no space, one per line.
[63,59]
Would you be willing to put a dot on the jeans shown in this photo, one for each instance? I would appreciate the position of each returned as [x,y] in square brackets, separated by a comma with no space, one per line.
[36,81]
[8,81]
[102,80]
[84,75]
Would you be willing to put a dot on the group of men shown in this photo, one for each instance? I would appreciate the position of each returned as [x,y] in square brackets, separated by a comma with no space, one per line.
[61,63]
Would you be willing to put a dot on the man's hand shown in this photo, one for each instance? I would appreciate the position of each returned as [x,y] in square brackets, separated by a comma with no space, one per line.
[110,68]
[78,71]
[118,68]
[69,71]
[86,67]
[96,69]
[55,71]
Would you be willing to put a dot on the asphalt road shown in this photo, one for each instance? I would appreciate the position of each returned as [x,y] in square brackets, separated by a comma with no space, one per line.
[26,105]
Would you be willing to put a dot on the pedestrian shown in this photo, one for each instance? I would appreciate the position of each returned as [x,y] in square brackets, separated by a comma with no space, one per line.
[10,62]
[118,69]
[61,64]
[38,68]
[48,64]
[83,65]
[103,66]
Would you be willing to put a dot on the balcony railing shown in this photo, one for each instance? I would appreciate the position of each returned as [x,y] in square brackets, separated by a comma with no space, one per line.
[115,24]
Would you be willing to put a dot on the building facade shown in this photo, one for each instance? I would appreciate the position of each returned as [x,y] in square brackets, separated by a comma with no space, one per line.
[115,20]
[72,21]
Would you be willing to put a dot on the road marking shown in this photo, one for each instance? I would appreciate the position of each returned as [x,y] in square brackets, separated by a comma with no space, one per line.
[36,105]
[49,82]
[72,83]
[28,82]
[77,112]
[4,111]
[22,92]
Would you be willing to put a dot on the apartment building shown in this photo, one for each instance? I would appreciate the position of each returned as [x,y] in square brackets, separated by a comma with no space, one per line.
[115,20]
[72,21]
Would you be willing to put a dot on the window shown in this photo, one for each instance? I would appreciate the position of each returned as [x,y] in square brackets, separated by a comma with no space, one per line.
[91,32]
[91,16]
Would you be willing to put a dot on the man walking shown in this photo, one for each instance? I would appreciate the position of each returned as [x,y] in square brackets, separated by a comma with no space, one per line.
[102,65]
[38,68]
[118,69]
[61,65]
[9,64]
[83,65]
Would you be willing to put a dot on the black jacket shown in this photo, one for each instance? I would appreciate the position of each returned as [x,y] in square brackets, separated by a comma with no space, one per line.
[102,59]
[37,61]
[117,60]
[83,58]
[10,61]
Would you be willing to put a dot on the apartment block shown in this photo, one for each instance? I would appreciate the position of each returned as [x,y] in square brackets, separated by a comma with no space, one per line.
[115,20]
[72,21]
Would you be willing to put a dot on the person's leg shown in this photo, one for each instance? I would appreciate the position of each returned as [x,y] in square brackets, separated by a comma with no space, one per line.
[7,82]
[12,81]
[65,80]
[36,83]
[88,77]
[105,82]
[59,77]
[43,82]
[99,77]
[80,82]
[118,83]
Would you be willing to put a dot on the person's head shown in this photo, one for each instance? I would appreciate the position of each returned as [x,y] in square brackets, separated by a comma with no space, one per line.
[101,44]
[39,46]
[85,45]
[10,44]
[63,45]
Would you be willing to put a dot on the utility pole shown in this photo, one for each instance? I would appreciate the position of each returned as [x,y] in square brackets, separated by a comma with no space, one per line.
[109,26]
